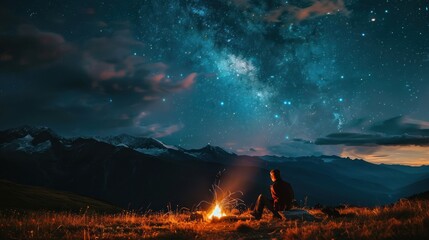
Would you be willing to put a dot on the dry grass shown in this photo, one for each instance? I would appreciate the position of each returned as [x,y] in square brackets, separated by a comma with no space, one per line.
[404,220]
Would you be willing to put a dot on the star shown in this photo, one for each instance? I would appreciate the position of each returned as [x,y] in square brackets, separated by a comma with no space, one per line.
[286,72]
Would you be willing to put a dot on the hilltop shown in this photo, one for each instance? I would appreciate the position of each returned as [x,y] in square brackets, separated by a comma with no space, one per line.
[402,220]
[22,197]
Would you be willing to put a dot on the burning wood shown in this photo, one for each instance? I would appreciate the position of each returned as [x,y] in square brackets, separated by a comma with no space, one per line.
[224,201]
[216,212]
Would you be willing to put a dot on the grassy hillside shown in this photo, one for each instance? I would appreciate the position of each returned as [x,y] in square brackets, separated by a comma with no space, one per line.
[17,196]
[404,220]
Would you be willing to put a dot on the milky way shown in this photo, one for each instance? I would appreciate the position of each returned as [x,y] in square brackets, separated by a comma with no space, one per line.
[255,77]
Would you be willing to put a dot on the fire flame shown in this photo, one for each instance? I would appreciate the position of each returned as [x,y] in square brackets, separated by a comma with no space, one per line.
[217,212]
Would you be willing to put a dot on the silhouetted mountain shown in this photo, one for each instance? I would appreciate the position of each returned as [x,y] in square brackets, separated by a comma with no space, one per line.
[29,139]
[409,169]
[149,146]
[420,196]
[137,172]
[416,187]
[119,175]
[212,154]
[39,133]
[134,142]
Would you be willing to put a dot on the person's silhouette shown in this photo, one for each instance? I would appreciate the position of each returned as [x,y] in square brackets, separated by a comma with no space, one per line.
[282,196]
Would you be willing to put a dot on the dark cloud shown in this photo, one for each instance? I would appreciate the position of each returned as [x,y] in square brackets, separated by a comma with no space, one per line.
[30,47]
[299,147]
[402,125]
[92,86]
[302,140]
[392,132]
[111,62]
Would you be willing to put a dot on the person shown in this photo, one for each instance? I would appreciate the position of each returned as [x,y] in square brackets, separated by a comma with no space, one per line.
[282,196]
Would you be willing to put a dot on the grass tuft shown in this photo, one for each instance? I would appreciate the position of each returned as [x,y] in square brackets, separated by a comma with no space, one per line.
[404,220]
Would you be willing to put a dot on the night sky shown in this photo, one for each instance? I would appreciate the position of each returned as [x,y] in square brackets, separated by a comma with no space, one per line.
[291,78]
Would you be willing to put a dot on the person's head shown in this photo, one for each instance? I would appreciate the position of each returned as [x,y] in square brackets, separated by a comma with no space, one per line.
[275,174]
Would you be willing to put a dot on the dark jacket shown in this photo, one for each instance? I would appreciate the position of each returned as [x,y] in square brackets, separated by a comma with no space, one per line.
[282,194]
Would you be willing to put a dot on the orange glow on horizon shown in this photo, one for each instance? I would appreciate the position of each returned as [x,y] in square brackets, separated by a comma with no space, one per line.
[404,155]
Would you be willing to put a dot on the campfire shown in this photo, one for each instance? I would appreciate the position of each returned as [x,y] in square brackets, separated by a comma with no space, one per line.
[216,212]
[222,204]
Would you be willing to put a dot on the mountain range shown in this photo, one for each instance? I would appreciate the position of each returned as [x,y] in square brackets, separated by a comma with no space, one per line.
[142,173]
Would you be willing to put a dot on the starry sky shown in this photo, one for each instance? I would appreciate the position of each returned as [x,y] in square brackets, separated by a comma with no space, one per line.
[292,78]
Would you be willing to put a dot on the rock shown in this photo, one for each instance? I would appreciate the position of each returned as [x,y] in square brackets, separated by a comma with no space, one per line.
[297,214]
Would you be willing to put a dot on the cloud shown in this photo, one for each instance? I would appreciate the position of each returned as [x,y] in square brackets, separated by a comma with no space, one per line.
[320,8]
[409,155]
[299,147]
[358,151]
[29,47]
[138,119]
[110,60]
[398,131]
[115,47]
[188,81]
[399,140]
[402,125]
[253,151]
[159,131]
[357,139]
[95,85]
[316,9]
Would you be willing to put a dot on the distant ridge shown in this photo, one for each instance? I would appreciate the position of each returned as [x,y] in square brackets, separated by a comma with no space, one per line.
[39,134]
[134,172]
[134,142]
[420,196]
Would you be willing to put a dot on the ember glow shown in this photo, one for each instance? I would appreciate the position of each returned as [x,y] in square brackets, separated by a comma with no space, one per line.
[216,212]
